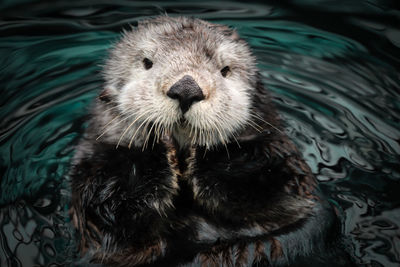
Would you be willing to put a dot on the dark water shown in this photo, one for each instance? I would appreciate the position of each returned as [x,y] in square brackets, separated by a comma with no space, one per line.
[332,66]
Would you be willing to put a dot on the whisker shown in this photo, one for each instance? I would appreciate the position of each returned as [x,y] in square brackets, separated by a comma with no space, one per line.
[258,130]
[255,126]
[215,125]
[113,107]
[148,135]
[156,132]
[250,120]
[105,129]
[222,137]
[237,142]
[127,128]
[140,126]
[227,152]
[261,119]
[205,152]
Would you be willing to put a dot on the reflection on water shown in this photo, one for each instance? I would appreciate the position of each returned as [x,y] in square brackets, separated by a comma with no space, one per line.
[332,68]
[36,231]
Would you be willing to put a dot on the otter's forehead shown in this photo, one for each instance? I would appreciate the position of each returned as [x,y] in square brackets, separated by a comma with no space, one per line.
[187,34]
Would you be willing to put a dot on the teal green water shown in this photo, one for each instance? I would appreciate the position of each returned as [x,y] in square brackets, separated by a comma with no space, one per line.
[332,67]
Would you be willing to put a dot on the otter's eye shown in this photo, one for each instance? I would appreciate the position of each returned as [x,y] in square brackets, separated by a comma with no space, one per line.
[147,63]
[225,71]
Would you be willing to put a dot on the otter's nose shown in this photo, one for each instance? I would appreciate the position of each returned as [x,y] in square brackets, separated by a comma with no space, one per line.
[187,91]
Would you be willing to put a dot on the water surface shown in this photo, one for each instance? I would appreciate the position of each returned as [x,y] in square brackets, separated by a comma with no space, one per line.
[332,67]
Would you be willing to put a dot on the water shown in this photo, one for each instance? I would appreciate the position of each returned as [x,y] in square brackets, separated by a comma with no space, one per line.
[332,66]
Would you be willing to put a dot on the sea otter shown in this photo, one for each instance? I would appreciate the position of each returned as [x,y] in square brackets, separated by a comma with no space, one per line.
[185,161]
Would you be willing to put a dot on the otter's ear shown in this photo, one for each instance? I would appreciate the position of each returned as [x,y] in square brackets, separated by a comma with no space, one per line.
[225,30]
[105,96]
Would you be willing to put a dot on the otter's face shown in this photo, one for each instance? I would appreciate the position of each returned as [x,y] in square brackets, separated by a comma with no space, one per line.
[181,76]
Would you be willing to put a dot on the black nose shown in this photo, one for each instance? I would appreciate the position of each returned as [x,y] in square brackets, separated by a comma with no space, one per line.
[187,91]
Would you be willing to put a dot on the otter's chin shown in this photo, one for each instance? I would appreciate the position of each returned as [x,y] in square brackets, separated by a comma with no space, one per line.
[183,122]
[190,137]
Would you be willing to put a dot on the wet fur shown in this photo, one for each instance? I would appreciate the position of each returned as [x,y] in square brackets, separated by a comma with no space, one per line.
[243,201]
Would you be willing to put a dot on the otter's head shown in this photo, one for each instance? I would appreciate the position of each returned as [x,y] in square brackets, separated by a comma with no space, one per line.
[182,76]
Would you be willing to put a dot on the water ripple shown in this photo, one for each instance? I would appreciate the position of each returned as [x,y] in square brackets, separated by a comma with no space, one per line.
[333,71]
